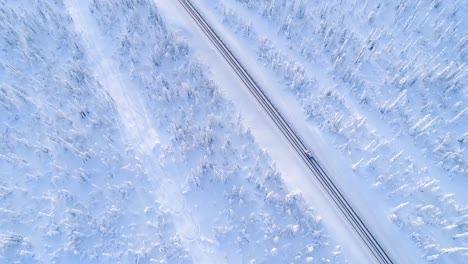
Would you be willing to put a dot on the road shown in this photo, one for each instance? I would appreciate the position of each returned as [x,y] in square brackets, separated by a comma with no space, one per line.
[336,195]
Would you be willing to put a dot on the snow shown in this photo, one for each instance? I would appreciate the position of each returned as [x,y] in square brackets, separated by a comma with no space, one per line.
[125,137]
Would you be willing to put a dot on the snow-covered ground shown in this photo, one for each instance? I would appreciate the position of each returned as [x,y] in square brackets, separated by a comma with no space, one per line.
[383,85]
[116,148]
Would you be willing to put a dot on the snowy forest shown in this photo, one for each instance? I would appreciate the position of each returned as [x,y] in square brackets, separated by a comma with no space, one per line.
[116,146]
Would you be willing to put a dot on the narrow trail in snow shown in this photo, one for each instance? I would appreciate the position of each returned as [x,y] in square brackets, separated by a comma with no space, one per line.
[138,129]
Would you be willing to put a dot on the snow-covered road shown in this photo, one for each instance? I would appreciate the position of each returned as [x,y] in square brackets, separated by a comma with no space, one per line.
[353,220]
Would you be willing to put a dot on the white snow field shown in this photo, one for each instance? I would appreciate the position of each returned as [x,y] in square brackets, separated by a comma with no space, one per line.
[381,86]
[117,148]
